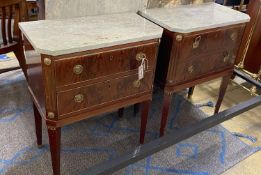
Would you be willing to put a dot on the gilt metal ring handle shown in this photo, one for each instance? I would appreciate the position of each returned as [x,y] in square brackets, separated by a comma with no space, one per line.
[196,42]
[233,36]
[191,69]
[136,83]
[226,57]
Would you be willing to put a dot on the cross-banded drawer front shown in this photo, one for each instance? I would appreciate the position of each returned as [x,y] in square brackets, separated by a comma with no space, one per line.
[200,43]
[202,65]
[103,92]
[204,53]
[73,70]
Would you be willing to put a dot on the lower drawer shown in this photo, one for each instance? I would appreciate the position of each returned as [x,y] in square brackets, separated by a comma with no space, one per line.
[196,67]
[102,93]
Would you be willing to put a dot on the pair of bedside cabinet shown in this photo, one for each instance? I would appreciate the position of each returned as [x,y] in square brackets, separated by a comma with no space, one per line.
[82,67]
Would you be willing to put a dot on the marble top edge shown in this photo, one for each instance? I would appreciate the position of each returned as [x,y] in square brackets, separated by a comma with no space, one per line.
[171,18]
[190,6]
[82,49]
[190,30]
[65,36]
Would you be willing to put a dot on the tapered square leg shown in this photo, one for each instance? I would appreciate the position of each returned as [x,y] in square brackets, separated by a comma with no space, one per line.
[55,148]
[165,112]
[38,126]
[144,119]
[222,91]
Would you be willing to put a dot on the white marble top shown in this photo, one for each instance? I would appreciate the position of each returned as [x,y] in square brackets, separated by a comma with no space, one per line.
[192,18]
[58,37]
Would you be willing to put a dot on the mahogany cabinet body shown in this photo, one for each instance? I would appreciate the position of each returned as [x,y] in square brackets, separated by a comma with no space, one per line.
[187,59]
[73,87]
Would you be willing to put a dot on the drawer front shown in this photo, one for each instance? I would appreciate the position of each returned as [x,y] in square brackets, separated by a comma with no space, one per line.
[200,43]
[202,65]
[103,92]
[233,37]
[206,53]
[73,70]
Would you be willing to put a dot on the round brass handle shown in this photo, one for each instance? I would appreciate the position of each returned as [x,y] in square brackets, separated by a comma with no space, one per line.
[77,69]
[191,69]
[47,61]
[78,98]
[50,115]
[136,83]
[233,36]
[140,56]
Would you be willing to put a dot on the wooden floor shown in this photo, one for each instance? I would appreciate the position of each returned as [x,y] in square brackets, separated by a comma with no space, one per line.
[248,123]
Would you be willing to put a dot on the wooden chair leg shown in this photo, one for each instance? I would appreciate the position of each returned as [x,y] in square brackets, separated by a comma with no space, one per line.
[136,109]
[144,119]
[19,53]
[222,91]
[165,112]
[38,126]
[120,112]
[191,91]
[55,148]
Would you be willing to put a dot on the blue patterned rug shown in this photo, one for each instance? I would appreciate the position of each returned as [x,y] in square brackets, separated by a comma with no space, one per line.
[7,57]
[92,141]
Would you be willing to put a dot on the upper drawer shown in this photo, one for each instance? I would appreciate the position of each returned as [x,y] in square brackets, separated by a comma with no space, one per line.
[204,42]
[103,92]
[77,69]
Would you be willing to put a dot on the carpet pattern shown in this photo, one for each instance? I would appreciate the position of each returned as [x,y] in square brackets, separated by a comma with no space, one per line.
[7,57]
[105,137]
[8,61]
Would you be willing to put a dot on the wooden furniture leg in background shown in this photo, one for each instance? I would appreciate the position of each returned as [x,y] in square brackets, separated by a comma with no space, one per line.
[144,119]
[38,126]
[191,91]
[165,112]
[55,148]
[222,91]
[120,112]
[136,109]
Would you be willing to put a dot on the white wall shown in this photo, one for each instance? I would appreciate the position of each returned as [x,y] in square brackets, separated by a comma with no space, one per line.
[57,9]
[169,3]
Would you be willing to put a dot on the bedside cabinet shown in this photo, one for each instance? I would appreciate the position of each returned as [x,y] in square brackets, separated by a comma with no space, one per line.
[83,67]
[195,48]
